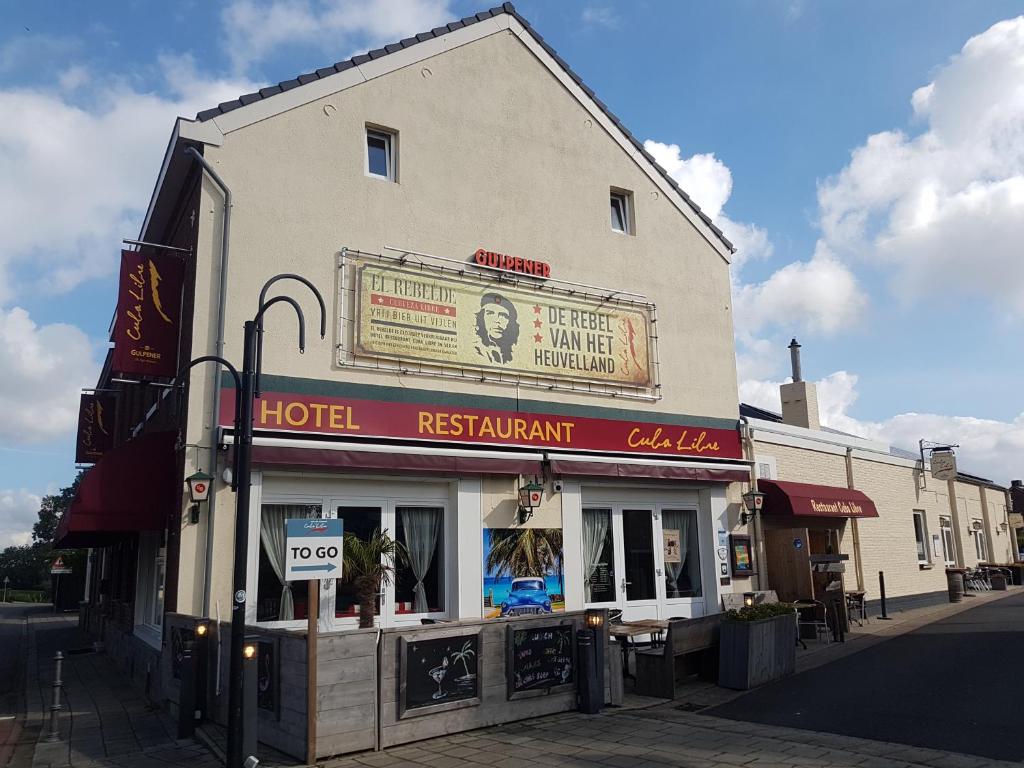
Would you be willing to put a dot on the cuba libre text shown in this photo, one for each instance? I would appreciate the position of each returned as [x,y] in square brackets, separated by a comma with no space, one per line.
[658,440]
[137,291]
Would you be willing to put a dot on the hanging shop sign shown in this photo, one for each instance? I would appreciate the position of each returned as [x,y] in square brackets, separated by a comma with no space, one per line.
[511,263]
[95,427]
[943,465]
[429,316]
[148,321]
[350,417]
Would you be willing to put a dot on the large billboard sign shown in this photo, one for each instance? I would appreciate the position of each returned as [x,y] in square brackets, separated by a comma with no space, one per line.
[426,315]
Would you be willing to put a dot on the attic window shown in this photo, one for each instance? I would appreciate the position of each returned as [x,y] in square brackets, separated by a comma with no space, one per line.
[380,154]
[620,212]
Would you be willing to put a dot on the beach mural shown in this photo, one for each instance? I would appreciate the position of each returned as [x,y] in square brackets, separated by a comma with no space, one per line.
[523,572]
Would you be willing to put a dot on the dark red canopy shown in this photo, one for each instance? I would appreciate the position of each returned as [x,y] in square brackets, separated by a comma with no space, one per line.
[785,498]
[131,488]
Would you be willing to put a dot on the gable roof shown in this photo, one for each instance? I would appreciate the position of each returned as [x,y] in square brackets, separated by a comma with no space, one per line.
[506,8]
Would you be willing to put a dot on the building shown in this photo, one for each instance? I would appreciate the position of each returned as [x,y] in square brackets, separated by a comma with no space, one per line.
[832,495]
[515,293]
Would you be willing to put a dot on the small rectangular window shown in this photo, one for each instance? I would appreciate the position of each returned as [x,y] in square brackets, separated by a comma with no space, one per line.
[620,213]
[380,154]
[921,537]
[948,550]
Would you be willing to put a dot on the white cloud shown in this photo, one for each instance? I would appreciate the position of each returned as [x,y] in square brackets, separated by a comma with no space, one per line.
[990,448]
[77,178]
[42,370]
[19,510]
[600,16]
[943,212]
[255,29]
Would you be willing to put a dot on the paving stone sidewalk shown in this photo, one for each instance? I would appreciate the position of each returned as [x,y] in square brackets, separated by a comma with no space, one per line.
[105,721]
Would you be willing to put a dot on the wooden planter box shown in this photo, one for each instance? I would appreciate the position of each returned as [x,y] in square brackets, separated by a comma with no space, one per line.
[752,653]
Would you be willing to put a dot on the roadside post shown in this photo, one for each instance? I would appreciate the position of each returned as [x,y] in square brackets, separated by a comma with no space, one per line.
[313,551]
[58,568]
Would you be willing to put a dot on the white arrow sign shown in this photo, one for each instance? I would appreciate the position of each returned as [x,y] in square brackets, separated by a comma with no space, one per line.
[313,549]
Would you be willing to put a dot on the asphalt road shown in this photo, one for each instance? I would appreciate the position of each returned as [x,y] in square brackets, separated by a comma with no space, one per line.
[953,685]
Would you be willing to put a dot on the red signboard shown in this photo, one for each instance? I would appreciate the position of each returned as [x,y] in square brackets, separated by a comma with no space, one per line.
[512,263]
[148,319]
[479,426]
[95,427]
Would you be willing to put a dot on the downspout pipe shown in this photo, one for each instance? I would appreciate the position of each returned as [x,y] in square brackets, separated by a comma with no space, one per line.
[747,434]
[858,561]
[196,155]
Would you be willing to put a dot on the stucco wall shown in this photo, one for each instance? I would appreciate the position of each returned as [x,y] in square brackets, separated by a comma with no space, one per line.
[493,152]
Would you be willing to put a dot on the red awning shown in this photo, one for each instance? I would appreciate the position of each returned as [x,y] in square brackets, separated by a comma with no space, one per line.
[298,457]
[656,471]
[132,488]
[784,498]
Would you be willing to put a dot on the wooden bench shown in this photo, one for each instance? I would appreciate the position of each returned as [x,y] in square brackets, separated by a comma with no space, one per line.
[656,667]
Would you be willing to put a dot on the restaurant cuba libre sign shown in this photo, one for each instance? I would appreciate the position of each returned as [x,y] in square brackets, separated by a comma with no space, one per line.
[95,427]
[317,414]
[148,321]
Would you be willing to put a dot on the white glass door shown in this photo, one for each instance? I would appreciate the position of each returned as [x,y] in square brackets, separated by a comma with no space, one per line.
[641,567]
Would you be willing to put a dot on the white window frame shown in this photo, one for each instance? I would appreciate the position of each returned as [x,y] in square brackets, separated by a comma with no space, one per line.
[390,139]
[948,544]
[921,536]
[980,543]
[626,209]
[330,493]
[150,582]
[770,463]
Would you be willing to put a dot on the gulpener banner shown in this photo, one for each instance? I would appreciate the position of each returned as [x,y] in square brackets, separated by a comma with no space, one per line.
[148,322]
[429,316]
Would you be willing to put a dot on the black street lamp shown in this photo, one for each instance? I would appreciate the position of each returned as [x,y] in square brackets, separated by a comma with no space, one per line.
[245,393]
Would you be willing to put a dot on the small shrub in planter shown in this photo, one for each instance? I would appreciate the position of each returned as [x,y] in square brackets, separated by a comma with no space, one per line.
[757,645]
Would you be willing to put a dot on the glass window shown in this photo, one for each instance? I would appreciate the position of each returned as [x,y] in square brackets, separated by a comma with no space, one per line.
[361,522]
[979,544]
[598,556]
[419,580]
[380,154]
[277,599]
[946,528]
[620,212]
[150,575]
[921,537]
[638,544]
[682,553]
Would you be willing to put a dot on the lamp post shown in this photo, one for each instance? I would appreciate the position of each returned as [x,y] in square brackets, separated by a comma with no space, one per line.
[245,392]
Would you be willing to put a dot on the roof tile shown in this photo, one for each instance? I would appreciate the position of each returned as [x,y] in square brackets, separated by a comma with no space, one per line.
[360,59]
[325,71]
[377,53]
[207,114]
[270,90]
[309,77]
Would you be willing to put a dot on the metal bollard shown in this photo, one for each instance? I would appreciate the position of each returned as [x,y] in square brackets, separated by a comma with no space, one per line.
[881,594]
[589,698]
[54,734]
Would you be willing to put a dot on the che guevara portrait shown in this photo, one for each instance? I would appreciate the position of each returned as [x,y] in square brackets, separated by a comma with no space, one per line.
[497,329]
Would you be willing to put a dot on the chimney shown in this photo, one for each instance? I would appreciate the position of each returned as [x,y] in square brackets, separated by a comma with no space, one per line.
[799,398]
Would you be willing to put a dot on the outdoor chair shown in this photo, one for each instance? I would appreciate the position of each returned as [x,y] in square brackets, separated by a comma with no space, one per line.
[812,614]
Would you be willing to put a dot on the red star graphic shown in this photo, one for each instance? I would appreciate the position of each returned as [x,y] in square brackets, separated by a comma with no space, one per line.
[538,338]
[536,309]
[537,323]
[380,299]
[447,310]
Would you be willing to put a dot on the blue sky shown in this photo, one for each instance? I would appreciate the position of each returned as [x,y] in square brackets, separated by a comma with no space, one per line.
[869,164]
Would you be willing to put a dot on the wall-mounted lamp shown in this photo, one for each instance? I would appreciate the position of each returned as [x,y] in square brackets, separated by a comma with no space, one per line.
[249,651]
[530,496]
[201,629]
[753,501]
[595,620]
[1004,526]
[198,492]
[748,599]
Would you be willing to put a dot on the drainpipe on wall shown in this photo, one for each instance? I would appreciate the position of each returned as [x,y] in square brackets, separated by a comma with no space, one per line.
[747,433]
[986,519]
[858,562]
[954,513]
[221,311]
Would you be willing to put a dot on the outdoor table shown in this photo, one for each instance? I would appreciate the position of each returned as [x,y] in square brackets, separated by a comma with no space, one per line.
[626,631]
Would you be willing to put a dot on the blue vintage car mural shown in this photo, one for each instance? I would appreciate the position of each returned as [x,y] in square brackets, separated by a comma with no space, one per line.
[528,595]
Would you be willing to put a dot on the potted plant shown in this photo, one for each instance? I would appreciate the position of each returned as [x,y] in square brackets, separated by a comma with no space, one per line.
[757,645]
[369,565]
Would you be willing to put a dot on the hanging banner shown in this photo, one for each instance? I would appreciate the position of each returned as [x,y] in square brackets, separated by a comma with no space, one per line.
[95,427]
[148,321]
[426,315]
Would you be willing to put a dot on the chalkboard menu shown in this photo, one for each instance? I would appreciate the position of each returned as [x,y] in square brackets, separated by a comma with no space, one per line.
[267,674]
[439,673]
[179,636]
[540,658]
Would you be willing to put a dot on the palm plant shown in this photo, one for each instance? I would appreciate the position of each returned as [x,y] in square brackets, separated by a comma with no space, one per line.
[525,552]
[369,565]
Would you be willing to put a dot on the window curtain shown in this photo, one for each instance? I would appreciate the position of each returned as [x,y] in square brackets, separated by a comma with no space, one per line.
[422,525]
[692,558]
[677,520]
[595,529]
[272,536]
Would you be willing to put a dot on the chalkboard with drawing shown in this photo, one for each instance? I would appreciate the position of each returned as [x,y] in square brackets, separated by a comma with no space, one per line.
[540,659]
[439,673]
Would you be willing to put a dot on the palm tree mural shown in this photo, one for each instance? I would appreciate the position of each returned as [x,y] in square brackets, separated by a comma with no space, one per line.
[526,552]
